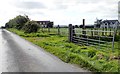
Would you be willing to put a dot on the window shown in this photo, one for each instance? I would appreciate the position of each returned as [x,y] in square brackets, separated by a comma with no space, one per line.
[105,23]
[43,22]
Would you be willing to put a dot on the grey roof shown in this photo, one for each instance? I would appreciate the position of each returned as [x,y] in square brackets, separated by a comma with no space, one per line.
[110,21]
[43,21]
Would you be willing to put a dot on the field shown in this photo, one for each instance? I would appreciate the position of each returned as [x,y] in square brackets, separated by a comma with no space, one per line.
[88,57]
[62,31]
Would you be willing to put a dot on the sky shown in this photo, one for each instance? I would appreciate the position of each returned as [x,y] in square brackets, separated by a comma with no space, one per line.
[62,12]
[119,11]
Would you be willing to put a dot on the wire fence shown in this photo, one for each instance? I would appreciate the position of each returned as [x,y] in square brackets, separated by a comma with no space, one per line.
[59,30]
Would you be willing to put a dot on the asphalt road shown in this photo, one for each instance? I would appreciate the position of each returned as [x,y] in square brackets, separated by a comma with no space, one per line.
[19,55]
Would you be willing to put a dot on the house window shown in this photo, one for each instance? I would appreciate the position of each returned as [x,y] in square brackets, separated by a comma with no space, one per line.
[112,23]
[43,22]
[105,23]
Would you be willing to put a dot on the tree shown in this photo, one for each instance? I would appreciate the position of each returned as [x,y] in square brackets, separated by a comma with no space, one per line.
[6,25]
[76,26]
[18,22]
[81,26]
[50,25]
[31,26]
[10,24]
[2,27]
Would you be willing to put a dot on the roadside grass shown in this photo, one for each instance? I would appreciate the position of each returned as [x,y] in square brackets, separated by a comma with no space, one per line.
[88,57]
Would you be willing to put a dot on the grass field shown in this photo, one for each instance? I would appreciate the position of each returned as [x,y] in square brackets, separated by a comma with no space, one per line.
[63,31]
[102,60]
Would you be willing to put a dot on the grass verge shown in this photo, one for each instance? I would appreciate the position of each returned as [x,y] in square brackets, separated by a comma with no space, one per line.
[102,60]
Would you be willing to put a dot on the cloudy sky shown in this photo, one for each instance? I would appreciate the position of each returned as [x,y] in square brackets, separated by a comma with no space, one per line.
[62,12]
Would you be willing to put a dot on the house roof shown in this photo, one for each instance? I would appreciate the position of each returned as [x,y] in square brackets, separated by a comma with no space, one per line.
[42,21]
[110,21]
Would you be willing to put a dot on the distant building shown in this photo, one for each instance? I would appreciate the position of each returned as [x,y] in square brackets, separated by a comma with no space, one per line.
[109,24]
[45,23]
[106,23]
[97,23]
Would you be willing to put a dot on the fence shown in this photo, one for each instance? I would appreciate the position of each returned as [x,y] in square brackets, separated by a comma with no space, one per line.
[100,38]
[92,37]
[56,30]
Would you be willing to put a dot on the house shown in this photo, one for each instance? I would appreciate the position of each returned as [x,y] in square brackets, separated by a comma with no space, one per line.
[106,23]
[97,23]
[45,23]
[109,24]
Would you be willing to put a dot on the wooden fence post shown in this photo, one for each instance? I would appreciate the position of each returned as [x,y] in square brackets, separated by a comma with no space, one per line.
[96,31]
[48,29]
[118,30]
[70,32]
[42,28]
[91,32]
[58,30]
[103,32]
[83,32]
[110,32]
[73,27]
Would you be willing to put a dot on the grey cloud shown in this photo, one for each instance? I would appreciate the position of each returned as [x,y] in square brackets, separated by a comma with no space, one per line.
[24,12]
[30,12]
[119,11]
[103,9]
[60,4]
[110,16]
[87,1]
[30,5]
[96,1]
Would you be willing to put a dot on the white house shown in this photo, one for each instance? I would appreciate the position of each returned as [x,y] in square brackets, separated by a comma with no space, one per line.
[106,23]
[109,24]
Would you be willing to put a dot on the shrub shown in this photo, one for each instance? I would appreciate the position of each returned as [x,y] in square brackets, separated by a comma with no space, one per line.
[30,27]
[91,53]
[110,67]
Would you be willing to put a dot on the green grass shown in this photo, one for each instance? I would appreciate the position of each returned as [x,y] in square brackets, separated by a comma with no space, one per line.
[102,60]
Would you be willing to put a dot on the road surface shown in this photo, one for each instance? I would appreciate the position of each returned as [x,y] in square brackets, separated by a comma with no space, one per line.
[19,55]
